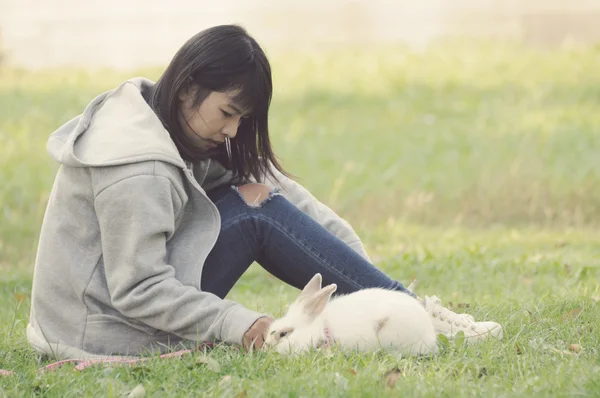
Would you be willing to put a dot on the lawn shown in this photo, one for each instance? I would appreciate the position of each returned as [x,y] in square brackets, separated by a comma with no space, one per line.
[474,167]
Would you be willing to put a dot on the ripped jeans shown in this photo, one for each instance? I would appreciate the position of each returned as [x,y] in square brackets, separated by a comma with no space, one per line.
[287,243]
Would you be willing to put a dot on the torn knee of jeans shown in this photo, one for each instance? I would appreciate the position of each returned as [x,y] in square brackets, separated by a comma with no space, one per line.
[254,194]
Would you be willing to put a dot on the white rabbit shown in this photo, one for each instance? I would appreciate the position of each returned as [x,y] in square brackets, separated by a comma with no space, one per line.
[366,320]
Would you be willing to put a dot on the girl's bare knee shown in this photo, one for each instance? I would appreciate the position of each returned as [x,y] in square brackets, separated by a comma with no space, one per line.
[254,194]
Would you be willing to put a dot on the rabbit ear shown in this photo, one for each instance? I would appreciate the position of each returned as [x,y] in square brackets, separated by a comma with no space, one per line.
[312,286]
[316,303]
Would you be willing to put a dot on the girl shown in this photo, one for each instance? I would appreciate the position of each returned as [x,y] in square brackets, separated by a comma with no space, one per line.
[166,194]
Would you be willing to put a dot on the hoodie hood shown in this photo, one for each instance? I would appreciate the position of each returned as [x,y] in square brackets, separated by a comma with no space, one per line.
[117,127]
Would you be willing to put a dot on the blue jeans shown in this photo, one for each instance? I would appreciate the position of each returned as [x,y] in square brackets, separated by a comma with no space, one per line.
[287,243]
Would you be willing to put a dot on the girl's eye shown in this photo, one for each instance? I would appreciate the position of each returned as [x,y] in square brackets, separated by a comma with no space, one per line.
[227,115]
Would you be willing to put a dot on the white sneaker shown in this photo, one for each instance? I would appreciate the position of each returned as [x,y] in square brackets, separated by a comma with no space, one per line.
[449,323]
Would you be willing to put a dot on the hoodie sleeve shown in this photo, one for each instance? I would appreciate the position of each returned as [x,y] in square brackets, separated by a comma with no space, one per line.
[306,202]
[136,215]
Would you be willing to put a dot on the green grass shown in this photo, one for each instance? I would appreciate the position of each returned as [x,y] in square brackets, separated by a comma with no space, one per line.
[472,167]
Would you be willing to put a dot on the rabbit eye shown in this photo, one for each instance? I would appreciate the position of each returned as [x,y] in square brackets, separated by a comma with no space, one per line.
[283,334]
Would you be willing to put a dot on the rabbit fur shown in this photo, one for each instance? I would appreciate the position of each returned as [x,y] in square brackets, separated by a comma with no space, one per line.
[366,320]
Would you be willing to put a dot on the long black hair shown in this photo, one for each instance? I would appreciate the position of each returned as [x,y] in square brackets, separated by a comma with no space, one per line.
[221,58]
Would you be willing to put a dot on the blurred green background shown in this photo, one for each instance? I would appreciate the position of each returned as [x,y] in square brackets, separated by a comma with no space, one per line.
[473,135]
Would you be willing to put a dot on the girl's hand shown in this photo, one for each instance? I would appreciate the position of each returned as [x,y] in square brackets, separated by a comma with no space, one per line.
[256,335]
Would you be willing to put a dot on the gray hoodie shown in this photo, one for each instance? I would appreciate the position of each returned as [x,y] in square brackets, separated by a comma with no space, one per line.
[127,229]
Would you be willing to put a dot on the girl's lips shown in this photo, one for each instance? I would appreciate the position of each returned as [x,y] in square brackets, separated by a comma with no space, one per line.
[212,144]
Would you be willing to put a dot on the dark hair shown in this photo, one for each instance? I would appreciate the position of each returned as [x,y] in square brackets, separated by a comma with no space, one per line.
[221,58]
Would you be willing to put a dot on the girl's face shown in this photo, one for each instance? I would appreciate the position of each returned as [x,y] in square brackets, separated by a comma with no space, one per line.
[217,116]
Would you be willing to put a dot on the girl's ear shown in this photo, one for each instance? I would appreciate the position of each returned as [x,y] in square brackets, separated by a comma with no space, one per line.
[188,91]
[316,303]
[311,287]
